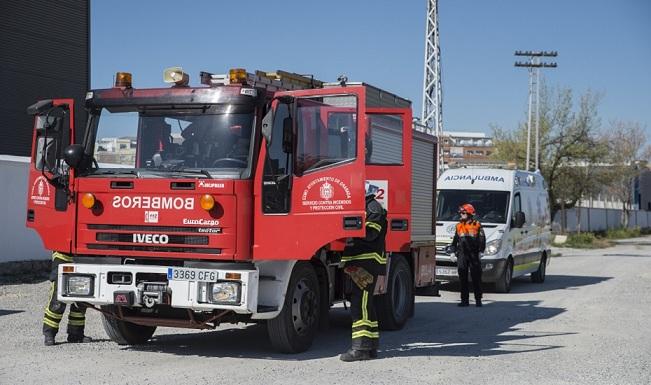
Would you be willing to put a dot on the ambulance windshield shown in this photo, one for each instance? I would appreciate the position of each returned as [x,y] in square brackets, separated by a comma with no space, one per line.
[490,206]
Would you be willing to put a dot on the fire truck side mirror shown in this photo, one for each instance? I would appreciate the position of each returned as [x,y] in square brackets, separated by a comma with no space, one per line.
[267,123]
[288,135]
[74,155]
[39,107]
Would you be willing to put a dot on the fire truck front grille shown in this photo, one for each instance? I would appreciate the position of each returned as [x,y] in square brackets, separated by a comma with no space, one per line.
[167,229]
[172,239]
[163,249]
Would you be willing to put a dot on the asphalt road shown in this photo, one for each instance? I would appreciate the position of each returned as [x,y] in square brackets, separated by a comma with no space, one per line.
[589,323]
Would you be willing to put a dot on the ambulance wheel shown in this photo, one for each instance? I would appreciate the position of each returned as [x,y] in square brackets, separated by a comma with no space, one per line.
[538,276]
[125,333]
[294,329]
[396,306]
[503,285]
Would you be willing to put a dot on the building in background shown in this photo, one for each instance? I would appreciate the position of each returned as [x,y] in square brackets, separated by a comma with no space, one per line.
[467,149]
[45,49]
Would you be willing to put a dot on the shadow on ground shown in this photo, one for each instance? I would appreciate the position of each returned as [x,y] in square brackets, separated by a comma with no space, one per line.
[552,282]
[9,312]
[438,329]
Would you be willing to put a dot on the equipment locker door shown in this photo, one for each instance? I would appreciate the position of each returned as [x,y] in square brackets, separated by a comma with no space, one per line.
[50,207]
[310,189]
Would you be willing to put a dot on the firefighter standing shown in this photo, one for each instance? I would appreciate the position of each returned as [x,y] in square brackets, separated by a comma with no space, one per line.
[55,309]
[469,240]
[364,260]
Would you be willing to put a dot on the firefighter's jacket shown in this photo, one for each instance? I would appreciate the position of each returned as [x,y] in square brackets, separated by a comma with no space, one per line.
[469,240]
[360,251]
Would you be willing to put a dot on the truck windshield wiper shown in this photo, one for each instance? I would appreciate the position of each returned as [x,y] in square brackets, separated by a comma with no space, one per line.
[189,171]
[116,172]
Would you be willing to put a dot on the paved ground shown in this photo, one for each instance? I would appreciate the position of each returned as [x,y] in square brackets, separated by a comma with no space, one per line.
[589,323]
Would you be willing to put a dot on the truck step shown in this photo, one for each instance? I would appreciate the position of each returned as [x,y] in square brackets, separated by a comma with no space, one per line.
[266,309]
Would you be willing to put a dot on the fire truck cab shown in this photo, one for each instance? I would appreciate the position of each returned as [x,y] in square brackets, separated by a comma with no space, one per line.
[230,202]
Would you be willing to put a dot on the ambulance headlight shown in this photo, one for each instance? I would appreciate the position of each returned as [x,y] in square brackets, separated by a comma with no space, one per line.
[227,292]
[78,285]
[493,247]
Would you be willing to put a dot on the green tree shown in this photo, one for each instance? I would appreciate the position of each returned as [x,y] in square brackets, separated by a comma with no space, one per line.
[628,154]
[570,147]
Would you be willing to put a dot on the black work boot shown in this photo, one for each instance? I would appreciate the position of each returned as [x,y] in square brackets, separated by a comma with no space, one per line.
[373,353]
[49,338]
[78,338]
[463,303]
[357,355]
[478,302]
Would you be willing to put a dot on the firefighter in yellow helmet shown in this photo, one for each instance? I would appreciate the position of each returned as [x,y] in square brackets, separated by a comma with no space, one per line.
[468,242]
[364,260]
[55,309]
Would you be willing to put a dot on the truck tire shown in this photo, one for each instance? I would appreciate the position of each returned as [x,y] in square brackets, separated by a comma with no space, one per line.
[294,329]
[396,306]
[503,285]
[126,333]
[538,276]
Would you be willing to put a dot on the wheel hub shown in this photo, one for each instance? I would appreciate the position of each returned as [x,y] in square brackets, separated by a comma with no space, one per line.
[303,307]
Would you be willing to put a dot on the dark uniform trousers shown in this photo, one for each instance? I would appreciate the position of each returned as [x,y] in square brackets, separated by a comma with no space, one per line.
[473,265]
[55,309]
[367,253]
[366,334]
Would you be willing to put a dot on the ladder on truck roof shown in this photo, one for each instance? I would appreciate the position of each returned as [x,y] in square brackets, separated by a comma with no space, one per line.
[271,81]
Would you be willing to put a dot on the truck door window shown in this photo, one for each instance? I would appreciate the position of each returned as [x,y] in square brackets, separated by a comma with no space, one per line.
[326,132]
[384,139]
[276,182]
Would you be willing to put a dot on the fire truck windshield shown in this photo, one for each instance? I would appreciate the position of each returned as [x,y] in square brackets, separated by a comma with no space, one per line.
[212,142]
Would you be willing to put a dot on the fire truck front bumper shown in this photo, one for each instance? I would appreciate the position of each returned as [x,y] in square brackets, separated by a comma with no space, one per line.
[148,286]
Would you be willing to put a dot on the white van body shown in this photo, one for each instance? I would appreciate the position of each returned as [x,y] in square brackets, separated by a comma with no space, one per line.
[497,196]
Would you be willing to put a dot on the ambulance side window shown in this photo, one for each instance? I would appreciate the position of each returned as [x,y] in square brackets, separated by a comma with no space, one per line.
[517,206]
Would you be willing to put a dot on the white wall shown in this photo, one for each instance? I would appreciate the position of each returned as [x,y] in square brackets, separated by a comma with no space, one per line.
[597,219]
[17,242]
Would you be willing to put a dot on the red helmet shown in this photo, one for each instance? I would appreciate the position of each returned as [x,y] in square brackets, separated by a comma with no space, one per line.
[468,208]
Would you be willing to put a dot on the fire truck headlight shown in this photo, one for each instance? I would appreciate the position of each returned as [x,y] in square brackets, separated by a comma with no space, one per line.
[78,285]
[225,292]
[88,200]
[207,202]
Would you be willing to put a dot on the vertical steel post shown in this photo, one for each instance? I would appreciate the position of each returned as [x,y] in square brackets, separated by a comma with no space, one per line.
[526,165]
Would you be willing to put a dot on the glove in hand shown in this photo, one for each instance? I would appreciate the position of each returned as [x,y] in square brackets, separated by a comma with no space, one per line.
[360,276]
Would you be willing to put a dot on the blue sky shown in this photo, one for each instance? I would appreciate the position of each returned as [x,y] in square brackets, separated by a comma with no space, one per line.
[603,45]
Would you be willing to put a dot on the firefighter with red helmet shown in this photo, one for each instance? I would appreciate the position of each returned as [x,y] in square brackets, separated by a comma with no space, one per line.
[364,260]
[468,242]
[55,309]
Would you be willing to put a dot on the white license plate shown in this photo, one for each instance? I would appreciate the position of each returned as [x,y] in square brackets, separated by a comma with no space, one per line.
[446,271]
[184,274]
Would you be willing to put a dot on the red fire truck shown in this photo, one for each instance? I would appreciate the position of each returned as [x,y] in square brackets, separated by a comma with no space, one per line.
[230,201]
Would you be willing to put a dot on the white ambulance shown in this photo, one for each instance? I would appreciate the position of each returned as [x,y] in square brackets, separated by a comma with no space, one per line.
[513,208]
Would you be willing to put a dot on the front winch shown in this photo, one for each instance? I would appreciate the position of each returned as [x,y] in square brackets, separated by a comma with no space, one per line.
[154,293]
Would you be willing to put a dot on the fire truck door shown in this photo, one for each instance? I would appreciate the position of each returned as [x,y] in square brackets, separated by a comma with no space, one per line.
[50,208]
[310,179]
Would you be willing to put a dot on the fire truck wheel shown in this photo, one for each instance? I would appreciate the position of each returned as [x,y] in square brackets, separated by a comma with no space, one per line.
[395,307]
[126,333]
[293,330]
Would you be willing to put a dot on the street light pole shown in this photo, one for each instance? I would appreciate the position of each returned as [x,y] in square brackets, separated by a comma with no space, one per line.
[533,65]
